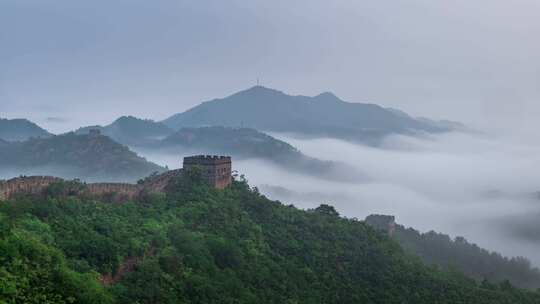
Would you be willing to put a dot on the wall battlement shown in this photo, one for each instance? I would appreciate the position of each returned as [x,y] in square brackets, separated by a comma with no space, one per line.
[207,160]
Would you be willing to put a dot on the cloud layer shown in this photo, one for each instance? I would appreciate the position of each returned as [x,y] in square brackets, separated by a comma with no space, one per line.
[476,62]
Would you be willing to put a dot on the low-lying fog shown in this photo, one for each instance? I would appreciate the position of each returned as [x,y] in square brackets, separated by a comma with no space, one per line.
[483,188]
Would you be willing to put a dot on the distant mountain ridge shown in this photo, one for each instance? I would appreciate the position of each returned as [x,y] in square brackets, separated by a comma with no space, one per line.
[20,130]
[245,143]
[240,143]
[89,157]
[322,115]
[130,130]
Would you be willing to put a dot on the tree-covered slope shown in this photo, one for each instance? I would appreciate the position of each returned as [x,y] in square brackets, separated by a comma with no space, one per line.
[200,245]
[20,130]
[91,157]
[439,249]
[323,115]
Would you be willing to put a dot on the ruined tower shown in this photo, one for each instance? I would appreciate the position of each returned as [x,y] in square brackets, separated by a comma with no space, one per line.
[215,169]
[385,223]
[94,132]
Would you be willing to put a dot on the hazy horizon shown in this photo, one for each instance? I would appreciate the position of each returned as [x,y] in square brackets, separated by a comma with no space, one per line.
[68,63]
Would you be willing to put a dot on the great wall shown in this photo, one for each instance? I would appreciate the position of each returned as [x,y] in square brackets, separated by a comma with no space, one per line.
[216,170]
[115,191]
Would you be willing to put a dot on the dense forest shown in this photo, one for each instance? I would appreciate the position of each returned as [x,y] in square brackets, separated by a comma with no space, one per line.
[195,244]
[439,249]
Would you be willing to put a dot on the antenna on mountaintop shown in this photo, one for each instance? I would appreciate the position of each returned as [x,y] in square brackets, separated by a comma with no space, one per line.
[258,83]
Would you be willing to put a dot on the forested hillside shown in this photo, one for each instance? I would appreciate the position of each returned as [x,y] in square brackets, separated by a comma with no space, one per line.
[89,157]
[439,249]
[200,245]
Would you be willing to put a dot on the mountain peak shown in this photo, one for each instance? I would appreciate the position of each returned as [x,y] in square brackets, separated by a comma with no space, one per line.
[20,130]
[327,96]
[127,119]
[323,115]
[259,90]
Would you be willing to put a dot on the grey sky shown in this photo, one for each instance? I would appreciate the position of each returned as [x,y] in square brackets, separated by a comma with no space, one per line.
[91,61]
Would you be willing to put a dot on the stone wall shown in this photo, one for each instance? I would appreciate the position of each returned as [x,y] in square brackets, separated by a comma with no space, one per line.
[216,170]
[160,182]
[37,184]
[25,184]
[109,191]
[113,191]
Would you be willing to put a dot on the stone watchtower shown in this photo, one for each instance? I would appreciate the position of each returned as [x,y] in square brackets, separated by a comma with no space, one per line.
[215,169]
[94,132]
[386,223]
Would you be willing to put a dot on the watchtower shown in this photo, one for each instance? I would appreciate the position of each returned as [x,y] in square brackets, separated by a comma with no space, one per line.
[386,223]
[94,132]
[215,169]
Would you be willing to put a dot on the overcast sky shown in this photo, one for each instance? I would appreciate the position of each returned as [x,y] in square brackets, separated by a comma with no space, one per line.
[68,63]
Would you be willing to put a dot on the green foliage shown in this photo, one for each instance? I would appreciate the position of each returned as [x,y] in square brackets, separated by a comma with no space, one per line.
[326,209]
[201,245]
[32,271]
[440,249]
